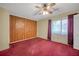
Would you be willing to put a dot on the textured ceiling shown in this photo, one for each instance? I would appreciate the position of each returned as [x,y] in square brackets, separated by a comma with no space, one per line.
[28,10]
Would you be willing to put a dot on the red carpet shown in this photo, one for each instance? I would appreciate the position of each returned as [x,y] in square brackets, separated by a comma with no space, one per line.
[39,47]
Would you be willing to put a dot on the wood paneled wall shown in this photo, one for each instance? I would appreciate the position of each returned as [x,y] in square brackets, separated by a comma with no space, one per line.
[21,28]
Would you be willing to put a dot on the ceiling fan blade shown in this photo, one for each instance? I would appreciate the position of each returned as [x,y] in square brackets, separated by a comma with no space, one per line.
[50,12]
[53,10]
[52,4]
[37,12]
[37,6]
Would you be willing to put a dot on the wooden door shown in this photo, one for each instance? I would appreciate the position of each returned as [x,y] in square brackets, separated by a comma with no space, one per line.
[30,28]
[12,29]
[20,26]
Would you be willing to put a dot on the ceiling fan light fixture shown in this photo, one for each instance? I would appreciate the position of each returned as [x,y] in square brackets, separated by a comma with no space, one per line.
[45,13]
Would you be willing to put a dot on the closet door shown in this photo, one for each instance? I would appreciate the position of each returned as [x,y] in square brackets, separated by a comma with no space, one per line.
[76,31]
[27,29]
[30,28]
[12,29]
[33,27]
[20,26]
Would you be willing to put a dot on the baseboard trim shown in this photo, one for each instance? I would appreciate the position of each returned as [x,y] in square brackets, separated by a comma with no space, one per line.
[22,40]
[4,48]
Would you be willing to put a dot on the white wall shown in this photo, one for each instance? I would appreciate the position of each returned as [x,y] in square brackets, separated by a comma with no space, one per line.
[76,31]
[4,29]
[42,28]
[60,38]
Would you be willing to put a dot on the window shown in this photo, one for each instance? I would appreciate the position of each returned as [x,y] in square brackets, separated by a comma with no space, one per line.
[59,27]
[64,26]
[56,28]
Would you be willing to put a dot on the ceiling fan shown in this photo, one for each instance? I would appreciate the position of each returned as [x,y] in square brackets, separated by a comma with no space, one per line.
[45,8]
